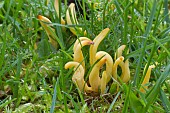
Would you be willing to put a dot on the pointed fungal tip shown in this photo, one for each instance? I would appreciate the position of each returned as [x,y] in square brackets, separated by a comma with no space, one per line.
[39,17]
[121,58]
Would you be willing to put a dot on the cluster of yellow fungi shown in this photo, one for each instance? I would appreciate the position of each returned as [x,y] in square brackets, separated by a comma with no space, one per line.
[97,58]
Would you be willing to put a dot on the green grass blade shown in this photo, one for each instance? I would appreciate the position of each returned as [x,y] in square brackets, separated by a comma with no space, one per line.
[165,101]
[17,83]
[166,14]
[166,50]
[126,102]
[54,98]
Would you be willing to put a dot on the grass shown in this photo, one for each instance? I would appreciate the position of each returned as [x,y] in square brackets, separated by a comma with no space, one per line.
[34,80]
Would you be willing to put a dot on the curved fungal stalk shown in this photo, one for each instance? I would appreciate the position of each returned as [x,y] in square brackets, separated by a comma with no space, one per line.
[78,76]
[94,78]
[109,63]
[146,79]
[119,52]
[72,19]
[125,76]
[78,55]
[103,82]
[115,65]
[78,41]
[56,6]
[45,26]
[97,40]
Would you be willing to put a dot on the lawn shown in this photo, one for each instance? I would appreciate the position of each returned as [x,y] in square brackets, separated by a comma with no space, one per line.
[101,56]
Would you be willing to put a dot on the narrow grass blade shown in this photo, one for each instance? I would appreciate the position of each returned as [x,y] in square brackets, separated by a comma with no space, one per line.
[54,98]
[2,51]
[166,14]
[17,83]
[165,101]
[126,102]
[166,50]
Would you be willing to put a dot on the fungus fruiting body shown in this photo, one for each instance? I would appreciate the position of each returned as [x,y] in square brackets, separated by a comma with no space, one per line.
[45,23]
[78,76]
[56,6]
[146,79]
[125,76]
[103,82]
[72,20]
[78,55]
[109,63]
[115,65]
[79,41]
[97,40]
[94,78]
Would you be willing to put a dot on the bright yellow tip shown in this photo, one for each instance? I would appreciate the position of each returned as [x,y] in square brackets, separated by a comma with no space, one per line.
[43,18]
[120,50]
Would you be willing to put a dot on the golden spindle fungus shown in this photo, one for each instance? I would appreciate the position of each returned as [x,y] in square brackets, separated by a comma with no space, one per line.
[56,6]
[78,76]
[115,65]
[78,55]
[125,76]
[97,40]
[119,52]
[94,78]
[79,41]
[72,19]
[103,82]
[146,79]
[109,63]
[43,21]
